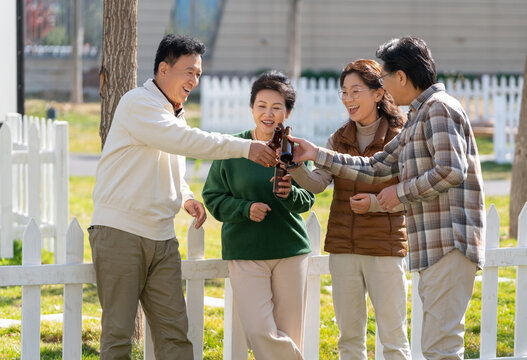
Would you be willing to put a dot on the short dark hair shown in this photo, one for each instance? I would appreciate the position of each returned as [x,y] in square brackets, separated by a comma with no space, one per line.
[173,46]
[277,81]
[411,55]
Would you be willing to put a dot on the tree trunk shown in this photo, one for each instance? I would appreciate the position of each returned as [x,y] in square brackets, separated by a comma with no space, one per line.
[295,41]
[118,74]
[519,167]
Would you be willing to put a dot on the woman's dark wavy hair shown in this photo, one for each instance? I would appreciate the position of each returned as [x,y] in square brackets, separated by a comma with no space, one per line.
[277,81]
[370,71]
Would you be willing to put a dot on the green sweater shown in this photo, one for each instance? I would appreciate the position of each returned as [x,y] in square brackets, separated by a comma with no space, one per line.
[231,187]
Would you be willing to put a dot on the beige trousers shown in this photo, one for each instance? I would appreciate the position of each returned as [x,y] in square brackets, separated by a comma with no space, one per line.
[383,278]
[445,289]
[130,268]
[270,298]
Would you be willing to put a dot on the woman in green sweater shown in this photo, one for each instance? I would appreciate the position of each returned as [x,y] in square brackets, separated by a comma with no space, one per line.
[263,236]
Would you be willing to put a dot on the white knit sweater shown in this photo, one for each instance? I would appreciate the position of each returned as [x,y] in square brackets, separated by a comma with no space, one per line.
[139,185]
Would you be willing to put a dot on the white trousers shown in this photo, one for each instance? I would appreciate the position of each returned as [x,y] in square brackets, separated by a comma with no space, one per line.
[445,289]
[270,298]
[383,278]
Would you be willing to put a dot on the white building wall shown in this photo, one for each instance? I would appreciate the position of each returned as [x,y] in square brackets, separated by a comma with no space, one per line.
[152,21]
[471,36]
[8,66]
[252,36]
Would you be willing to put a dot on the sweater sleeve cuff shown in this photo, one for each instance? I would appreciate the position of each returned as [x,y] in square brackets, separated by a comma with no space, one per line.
[246,146]
[324,158]
[186,196]
[290,198]
[247,209]
[374,204]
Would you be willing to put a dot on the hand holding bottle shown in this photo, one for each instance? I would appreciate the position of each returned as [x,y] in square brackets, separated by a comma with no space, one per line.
[283,186]
[304,150]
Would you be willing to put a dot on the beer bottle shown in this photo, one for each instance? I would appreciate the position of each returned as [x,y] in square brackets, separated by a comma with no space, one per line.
[286,154]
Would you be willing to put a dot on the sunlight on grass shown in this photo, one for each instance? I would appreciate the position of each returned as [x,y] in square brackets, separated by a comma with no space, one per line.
[494,171]
[83,122]
[83,138]
[81,207]
[84,119]
[485,145]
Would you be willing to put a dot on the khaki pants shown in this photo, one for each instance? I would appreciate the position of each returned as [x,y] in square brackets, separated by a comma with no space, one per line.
[383,278]
[445,289]
[130,268]
[270,298]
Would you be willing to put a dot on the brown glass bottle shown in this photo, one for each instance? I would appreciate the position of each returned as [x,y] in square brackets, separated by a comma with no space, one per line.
[278,174]
[286,153]
[276,140]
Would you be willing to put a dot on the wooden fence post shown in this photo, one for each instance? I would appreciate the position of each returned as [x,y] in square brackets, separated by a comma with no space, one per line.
[33,173]
[500,136]
[489,289]
[234,341]
[45,184]
[6,195]
[196,290]
[312,322]
[31,255]
[72,320]
[485,90]
[61,190]
[520,323]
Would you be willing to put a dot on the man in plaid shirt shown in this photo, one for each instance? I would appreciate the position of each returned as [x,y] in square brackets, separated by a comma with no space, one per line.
[437,162]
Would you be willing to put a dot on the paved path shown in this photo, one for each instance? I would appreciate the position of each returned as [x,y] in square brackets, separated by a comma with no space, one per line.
[85,165]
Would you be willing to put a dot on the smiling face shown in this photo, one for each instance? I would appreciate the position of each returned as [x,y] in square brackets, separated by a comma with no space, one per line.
[178,80]
[268,110]
[360,101]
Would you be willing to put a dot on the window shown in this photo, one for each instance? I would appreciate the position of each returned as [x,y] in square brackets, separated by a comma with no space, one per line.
[198,18]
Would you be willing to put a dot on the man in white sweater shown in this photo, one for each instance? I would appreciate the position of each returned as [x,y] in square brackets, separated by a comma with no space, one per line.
[139,188]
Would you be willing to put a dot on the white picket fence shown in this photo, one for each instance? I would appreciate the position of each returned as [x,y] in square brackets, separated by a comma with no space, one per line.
[34,181]
[31,275]
[319,112]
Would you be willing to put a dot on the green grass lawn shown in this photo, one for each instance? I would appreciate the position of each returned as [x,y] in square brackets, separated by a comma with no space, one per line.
[485,145]
[84,119]
[83,136]
[81,208]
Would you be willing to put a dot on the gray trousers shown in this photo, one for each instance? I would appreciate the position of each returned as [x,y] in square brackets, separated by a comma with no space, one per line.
[129,269]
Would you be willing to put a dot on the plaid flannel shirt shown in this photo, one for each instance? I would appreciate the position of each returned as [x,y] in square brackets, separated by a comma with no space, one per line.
[437,162]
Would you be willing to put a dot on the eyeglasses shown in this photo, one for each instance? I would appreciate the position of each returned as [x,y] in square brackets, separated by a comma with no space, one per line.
[381,78]
[353,94]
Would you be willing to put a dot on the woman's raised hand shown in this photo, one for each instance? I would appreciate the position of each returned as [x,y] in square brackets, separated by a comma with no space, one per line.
[304,150]
[284,186]
[262,154]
